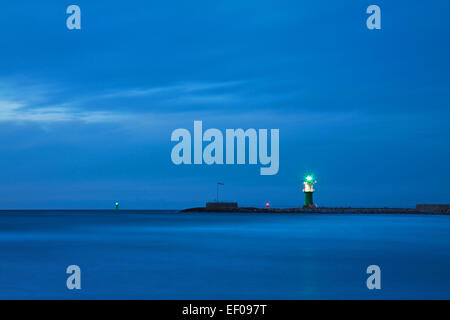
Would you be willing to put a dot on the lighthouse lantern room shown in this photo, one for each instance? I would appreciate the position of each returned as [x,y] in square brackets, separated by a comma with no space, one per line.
[308,190]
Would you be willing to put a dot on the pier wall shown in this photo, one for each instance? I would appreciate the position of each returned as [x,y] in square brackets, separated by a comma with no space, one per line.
[439,208]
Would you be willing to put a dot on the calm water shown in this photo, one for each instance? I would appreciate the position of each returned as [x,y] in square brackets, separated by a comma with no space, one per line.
[170,255]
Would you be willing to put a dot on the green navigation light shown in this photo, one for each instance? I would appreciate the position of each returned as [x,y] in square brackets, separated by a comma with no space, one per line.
[309,181]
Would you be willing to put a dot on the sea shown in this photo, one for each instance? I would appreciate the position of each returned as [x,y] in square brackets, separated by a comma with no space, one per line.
[172,255]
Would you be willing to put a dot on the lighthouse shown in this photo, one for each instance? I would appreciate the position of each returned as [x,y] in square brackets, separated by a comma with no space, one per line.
[308,189]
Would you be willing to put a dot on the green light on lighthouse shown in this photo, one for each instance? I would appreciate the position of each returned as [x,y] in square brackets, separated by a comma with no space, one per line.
[308,190]
[117,205]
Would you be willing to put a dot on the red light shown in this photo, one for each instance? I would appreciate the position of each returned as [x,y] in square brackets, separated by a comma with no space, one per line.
[267,205]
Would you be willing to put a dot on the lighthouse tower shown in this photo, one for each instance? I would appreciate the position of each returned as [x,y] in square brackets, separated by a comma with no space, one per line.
[309,190]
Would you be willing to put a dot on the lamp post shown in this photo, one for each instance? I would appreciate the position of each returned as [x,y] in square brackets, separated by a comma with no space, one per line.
[217,194]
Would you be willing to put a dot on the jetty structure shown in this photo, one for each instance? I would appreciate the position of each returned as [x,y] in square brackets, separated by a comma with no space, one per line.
[310,207]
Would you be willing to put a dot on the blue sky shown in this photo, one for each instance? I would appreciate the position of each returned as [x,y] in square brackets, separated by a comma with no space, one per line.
[86,115]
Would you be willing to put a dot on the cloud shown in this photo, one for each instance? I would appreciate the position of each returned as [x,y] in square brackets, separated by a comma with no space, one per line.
[179,89]
[170,105]
[22,101]
[17,112]
[171,98]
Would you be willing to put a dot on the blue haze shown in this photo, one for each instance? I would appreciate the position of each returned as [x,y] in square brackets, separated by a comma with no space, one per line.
[86,116]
